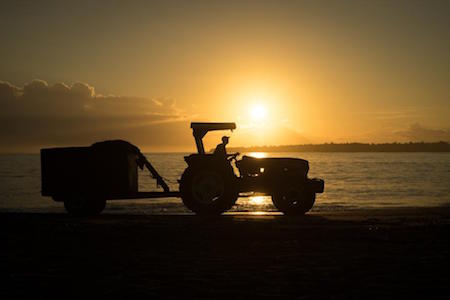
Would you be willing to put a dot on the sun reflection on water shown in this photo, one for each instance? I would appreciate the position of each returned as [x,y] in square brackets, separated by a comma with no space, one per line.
[259,213]
[259,200]
[257,154]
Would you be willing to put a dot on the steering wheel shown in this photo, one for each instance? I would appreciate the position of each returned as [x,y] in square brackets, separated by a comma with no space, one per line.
[232,156]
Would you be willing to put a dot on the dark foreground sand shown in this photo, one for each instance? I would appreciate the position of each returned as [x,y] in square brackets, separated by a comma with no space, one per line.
[401,253]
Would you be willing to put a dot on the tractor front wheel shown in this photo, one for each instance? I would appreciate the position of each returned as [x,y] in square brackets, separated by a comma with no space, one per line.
[294,200]
[208,190]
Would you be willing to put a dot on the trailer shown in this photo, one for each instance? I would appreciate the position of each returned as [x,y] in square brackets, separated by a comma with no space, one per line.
[84,178]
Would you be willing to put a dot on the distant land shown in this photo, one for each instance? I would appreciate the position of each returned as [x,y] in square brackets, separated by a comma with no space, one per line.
[350,147]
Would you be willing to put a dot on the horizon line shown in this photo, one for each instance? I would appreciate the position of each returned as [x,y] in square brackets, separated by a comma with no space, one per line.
[270,148]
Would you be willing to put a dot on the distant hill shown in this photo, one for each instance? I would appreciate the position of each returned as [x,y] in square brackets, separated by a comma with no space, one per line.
[350,147]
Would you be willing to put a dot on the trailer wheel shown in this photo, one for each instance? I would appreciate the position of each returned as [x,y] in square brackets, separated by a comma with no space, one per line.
[208,190]
[294,200]
[84,206]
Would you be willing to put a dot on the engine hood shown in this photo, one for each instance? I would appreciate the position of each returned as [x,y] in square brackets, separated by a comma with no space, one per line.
[249,163]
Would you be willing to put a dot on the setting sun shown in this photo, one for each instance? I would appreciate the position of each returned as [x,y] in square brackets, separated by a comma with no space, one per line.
[258,112]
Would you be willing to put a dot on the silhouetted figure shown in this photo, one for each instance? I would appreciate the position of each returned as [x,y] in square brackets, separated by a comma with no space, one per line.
[221,148]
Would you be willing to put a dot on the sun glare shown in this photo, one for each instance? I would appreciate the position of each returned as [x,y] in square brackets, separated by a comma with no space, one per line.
[258,112]
[257,154]
[258,200]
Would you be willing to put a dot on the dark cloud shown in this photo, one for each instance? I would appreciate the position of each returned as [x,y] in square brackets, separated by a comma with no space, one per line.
[7,90]
[418,133]
[39,114]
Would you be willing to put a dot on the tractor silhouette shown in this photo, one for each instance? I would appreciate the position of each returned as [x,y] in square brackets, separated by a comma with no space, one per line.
[84,178]
[210,185]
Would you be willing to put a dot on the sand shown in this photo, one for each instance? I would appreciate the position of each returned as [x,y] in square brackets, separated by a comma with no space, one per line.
[382,253]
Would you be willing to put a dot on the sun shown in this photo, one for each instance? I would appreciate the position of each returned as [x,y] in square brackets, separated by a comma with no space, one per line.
[258,112]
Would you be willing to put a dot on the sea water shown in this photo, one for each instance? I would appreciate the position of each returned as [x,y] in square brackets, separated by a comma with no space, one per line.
[352,181]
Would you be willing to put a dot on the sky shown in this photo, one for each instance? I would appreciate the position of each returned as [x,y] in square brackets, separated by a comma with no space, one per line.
[287,72]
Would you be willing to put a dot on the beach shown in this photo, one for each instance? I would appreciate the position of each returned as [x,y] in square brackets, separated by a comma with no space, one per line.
[367,253]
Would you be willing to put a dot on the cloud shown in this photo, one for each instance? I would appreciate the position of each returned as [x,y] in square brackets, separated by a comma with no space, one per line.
[417,133]
[39,114]
[7,90]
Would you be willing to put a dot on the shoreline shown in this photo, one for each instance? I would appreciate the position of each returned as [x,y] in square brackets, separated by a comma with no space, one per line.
[125,208]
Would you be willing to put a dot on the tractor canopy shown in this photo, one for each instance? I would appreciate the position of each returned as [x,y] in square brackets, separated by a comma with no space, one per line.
[199,130]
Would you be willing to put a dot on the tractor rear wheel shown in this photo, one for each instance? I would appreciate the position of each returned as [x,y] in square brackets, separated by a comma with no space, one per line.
[294,199]
[207,190]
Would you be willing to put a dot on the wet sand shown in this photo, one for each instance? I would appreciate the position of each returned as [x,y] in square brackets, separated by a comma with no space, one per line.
[349,254]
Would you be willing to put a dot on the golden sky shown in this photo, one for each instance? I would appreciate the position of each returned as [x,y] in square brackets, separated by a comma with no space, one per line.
[287,72]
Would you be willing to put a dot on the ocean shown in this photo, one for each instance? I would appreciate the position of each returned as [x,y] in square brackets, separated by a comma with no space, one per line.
[352,181]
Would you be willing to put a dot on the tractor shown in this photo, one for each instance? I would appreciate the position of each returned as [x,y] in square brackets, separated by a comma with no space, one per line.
[210,185]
